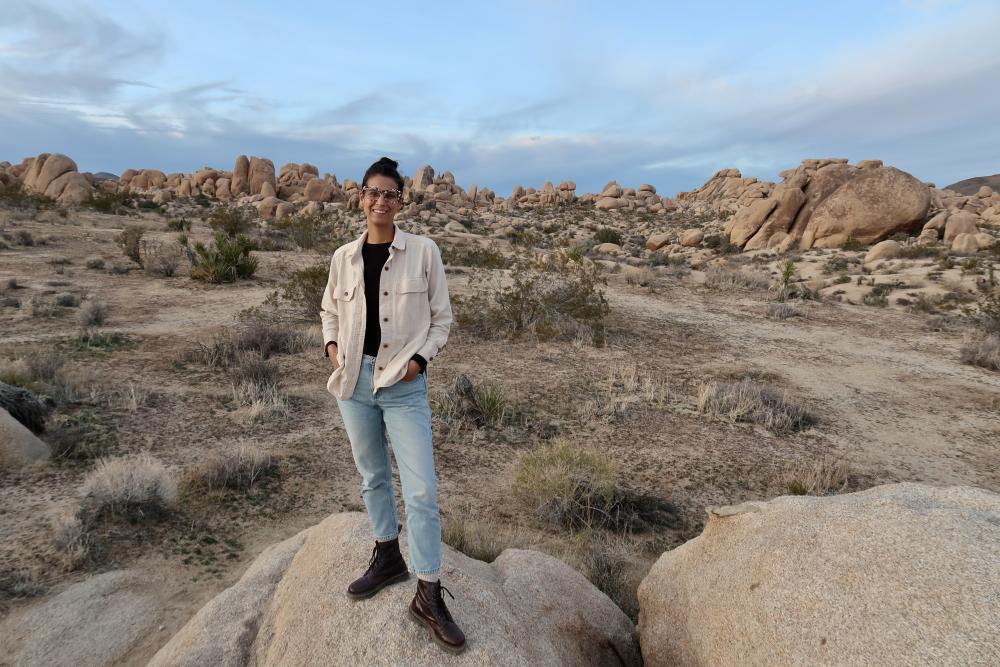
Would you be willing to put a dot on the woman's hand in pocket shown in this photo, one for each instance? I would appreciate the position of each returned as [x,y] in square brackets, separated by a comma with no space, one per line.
[412,371]
[331,350]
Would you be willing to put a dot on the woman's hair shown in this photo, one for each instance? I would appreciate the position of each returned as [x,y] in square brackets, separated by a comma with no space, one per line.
[384,167]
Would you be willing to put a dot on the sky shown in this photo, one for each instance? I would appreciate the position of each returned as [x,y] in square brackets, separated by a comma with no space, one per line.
[506,93]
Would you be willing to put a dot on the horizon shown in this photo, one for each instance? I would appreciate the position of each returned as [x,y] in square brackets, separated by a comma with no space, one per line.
[642,96]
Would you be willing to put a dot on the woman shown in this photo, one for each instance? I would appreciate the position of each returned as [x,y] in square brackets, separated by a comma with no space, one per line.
[385,315]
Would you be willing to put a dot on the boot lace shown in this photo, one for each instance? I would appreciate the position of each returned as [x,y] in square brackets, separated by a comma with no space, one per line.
[440,609]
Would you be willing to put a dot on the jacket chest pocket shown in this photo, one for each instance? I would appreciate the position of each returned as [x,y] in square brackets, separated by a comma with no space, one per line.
[345,292]
[412,285]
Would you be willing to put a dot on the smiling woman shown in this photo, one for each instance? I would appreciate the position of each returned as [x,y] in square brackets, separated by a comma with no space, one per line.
[386,314]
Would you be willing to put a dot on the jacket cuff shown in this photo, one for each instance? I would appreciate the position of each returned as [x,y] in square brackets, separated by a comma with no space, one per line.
[420,361]
[326,348]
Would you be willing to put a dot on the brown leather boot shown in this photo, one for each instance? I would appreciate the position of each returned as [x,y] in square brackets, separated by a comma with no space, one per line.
[428,608]
[386,567]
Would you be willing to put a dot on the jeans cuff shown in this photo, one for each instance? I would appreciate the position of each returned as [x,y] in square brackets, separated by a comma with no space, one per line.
[387,538]
[436,571]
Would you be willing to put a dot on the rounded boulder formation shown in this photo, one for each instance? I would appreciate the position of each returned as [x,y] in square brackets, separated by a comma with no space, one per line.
[901,574]
[291,608]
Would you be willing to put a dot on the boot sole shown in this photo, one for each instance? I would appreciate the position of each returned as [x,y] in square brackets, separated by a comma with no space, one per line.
[402,576]
[416,618]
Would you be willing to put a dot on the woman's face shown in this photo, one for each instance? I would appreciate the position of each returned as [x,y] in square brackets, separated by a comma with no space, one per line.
[381,210]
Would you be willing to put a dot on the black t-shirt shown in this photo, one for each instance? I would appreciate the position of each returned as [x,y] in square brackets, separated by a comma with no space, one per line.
[375,256]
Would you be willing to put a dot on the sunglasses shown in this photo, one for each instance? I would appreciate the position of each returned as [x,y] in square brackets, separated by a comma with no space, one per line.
[372,193]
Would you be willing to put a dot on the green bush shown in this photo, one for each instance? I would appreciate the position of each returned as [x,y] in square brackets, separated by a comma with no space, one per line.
[111,202]
[853,245]
[488,257]
[304,289]
[130,241]
[226,260]
[561,304]
[230,220]
[608,235]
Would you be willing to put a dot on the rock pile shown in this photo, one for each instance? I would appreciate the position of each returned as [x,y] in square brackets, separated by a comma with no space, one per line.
[50,174]
[902,574]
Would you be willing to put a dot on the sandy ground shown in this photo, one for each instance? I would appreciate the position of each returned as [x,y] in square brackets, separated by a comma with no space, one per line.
[890,397]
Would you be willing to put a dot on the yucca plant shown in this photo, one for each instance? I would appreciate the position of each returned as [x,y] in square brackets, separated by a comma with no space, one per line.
[225,261]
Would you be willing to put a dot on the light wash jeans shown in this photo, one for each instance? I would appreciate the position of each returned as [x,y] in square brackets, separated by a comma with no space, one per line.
[401,411]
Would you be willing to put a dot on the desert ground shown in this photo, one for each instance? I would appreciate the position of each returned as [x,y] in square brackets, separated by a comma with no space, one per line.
[887,395]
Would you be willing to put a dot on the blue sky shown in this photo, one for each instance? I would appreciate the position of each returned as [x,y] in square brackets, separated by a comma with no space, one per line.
[514,92]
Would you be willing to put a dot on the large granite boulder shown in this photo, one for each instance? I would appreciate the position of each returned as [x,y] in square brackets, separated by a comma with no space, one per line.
[18,445]
[290,608]
[870,207]
[902,574]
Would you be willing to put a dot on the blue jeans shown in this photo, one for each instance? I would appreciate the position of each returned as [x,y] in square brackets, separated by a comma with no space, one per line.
[400,411]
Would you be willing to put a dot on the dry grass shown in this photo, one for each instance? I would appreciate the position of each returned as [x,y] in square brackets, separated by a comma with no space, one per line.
[823,476]
[748,401]
[71,543]
[722,279]
[983,352]
[482,540]
[92,314]
[242,468]
[136,488]
[485,404]
[626,386]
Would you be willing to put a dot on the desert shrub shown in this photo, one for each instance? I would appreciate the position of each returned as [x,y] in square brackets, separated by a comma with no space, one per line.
[240,468]
[162,259]
[67,300]
[985,315]
[878,296]
[182,225]
[983,352]
[230,221]
[89,339]
[565,485]
[485,404]
[111,202]
[226,260]
[489,257]
[563,304]
[267,338]
[255,379]
[925,303]
[749,401]
[311,232]
[92,313]
[70,539]
[135,488]
[15,196]
[724,279]
[721,244]
[304,289]
[607,235]
[644,277]
[819,477]
[20,402]
[130,241]
[853,245]
[37,307]
[95,263]
[482,540]
[835,264]
[782,311]
[918,251]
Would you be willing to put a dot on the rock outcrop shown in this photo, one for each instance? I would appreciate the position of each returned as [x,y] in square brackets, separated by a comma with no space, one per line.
[902,574]
[290,608]
[18,445]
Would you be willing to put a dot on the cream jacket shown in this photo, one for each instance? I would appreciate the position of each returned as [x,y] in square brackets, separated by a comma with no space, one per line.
[413,307]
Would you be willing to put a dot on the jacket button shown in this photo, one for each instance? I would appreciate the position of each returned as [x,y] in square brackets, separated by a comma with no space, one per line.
[385,293]
[387,268]
[345,293]
[380,368]
[385,344]
[385,319]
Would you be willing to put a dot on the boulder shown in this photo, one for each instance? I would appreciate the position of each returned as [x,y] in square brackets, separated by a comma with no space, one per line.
[95,622]
[901,574]
[985,192]
[984,240]
[421,179]
[748,220]
[823,183]
[47,169]
[70,188]
[18,445]
[317,190]
[267,190]
[965,244]
[224,189]
[261,173]
[289,608]
[887,249]
[657,241]
[961,222]
[612,189]
[692,237]
[937,222]
[790,200]
[240,183]
[871,206]
[609,203]
[609,248]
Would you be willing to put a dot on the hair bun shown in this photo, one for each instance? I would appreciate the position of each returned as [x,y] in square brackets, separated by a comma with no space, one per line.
[385,160]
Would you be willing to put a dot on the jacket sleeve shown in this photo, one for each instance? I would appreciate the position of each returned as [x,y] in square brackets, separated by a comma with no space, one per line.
[441,318]
[328,309]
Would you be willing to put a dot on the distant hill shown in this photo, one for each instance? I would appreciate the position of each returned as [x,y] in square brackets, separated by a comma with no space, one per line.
[105,176]
[970,186]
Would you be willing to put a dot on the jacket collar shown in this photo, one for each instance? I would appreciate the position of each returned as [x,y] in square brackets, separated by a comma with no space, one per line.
[398,240]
